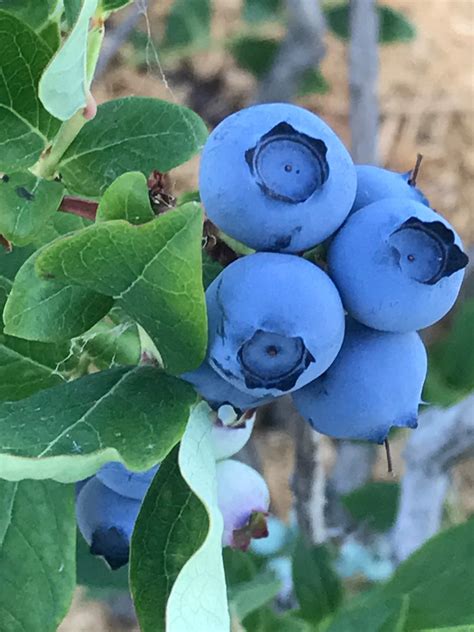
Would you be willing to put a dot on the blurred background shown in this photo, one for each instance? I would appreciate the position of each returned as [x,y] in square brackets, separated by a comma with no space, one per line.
[216,59]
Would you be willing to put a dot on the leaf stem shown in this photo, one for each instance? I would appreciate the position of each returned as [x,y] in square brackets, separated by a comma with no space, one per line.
[78,206]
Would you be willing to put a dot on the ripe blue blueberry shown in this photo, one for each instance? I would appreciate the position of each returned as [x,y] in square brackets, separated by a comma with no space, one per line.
[275,323]
[243,499]
[217,391]
[119,479]
[106,520]
[375,183]
[398,265]
[374,383]
[276,177]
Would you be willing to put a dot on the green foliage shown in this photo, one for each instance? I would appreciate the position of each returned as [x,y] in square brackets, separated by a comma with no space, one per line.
[246,597]
[94,574]
[72,8]
[375,504]
[114,5]
[26,204]
[394,26]
[255,54]
[313,82]
[48,310]
[37,551]
[51,35]
[210,269]
[35,13]
[64,85]
[154,273]
[189,22]
[26,125]
[387,615]
[126,198]
[451,360]
[132,414]
[176,555]
[317,587]
[261,10]
[130,134]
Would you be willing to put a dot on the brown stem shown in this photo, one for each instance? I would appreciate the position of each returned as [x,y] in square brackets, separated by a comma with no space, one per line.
[6,244]
[78,206]
[416,170]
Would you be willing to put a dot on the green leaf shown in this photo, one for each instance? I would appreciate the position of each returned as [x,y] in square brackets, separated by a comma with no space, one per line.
[261,10]
[313,82]
[380,616]
[394,26]
[60,224]
[26,125]
[11,262]
[453,356]
[317,587]
[114,5]
[456,628]
[72,8]
[176,569]
[210,269]
[5,287]
[286,622]
[35,13]
[95,575]
[154,273]
[436,577]
[37,550]
[249,596]
[239,566]
[109,345]
[27,202]
[255,54]
[133,415]
[126,198]
[130,134]
[48,310]
[375,503]
[27,367]
[64,85]
[51,35]
[189,22]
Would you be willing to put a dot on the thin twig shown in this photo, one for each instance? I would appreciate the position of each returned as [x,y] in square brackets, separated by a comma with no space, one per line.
[302,49]
[79,206]
[363,75]
[444,437]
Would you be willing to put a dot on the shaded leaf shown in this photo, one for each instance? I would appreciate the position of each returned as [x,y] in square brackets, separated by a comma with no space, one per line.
[96,575]
[48,310]
[27,202]
[64,84]
[435,577]
[249,596]
[72,8]
[210,269]
[313,82]
[375,503]
[317,587]
[380,616]
[394,26]
[130,134]
[26,125]
[109,345]
[133,415]
[154,273]
[181,586]
[188,22]
[37,555]
[261,10]
[35,13]
[126,198]
[51,35]
[255,54]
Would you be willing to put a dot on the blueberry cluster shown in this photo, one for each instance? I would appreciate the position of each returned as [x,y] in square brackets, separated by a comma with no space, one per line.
[107,504]
[343,340]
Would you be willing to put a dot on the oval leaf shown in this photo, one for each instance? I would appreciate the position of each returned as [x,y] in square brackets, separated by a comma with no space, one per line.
[135,415]
[26,125]
[27,202]
[153,271]
[126,198]
[37,555]
[130,134]
[64,84]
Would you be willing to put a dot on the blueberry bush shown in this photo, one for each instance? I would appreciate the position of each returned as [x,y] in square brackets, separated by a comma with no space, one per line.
[140,333]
